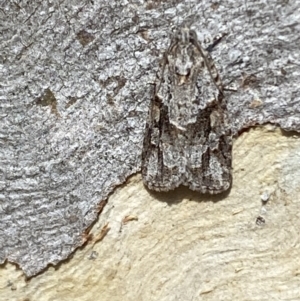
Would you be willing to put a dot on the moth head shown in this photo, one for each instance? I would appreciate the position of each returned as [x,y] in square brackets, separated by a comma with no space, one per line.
[185,36]
[182,55]
[193,37]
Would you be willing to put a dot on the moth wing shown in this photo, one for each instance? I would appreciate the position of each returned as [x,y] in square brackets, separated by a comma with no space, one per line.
[209,146]
[209,164]
[163,166]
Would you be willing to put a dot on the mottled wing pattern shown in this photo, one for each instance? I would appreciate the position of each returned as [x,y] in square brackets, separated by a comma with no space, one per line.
[188,138]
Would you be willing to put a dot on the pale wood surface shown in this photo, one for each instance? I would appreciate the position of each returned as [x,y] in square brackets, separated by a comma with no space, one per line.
[184,246]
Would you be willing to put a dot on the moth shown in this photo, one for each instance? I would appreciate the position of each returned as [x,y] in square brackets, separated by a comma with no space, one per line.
[188,138]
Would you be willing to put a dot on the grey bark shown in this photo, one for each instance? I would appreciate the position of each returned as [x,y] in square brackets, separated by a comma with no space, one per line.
[75,87]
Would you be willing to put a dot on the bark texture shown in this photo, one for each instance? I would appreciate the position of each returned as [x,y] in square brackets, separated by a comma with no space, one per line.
[75,87]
